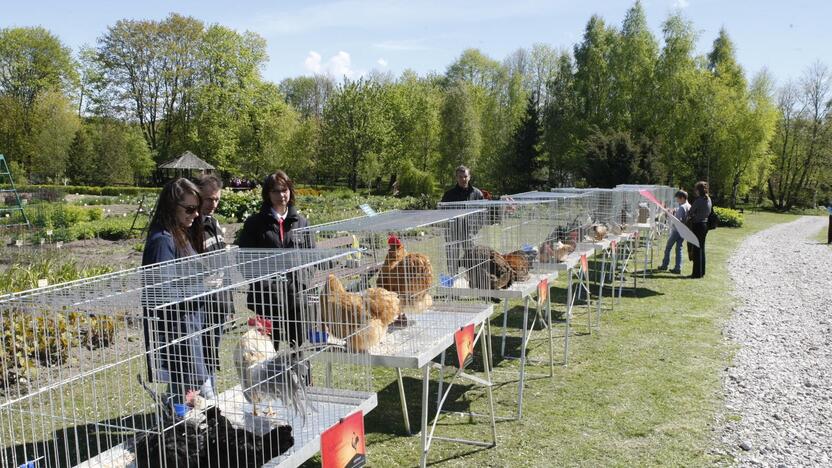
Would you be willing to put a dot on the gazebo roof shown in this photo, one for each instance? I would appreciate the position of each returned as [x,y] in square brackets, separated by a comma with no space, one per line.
[186,160]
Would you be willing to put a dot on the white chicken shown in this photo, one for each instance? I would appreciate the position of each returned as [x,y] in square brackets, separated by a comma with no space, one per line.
[265,374]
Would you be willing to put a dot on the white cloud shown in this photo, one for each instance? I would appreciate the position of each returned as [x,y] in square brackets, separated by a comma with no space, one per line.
[337,66]
[382,63]
[313,62]
[681,4]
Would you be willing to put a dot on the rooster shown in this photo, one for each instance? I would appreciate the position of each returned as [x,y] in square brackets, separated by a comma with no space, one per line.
[361,318]
[410,275]
[266,374]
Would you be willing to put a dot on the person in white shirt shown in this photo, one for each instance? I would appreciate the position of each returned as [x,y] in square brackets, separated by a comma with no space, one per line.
[675,239]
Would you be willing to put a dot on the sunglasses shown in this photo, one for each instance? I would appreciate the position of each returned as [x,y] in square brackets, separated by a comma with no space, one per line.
[189,209]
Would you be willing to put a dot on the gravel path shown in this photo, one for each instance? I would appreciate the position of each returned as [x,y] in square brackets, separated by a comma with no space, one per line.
[780,385]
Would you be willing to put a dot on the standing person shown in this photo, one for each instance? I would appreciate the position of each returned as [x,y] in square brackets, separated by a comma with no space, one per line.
[675,239]
[173,335]
[219,306]
[698,222]
[458,239]
[463,190]
[210,190]
[274,227]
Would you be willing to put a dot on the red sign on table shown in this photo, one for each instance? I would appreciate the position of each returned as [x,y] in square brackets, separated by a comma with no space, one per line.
[584,264]
[343,445]
[464,340]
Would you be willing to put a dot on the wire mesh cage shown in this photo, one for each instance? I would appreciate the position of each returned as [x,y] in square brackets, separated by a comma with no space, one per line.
[406,262]
[642,210]
[415,255]
[573,223]
[605,206]
[513,232]
[167,365]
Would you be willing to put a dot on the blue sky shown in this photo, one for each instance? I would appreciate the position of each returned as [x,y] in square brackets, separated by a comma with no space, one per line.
[355,36]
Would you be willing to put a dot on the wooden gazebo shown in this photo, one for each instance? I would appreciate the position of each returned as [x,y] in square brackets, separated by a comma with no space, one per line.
[185,165]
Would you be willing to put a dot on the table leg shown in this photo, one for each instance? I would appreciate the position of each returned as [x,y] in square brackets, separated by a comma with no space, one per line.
[523,359]
[403,402]
[425,385]
[505,325]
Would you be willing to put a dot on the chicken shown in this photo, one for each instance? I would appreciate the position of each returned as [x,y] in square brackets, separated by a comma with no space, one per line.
[410,275]
[557,252]
[520,262]
[487,269]
[599,232]
[616,228]
[360,318]
[266,374]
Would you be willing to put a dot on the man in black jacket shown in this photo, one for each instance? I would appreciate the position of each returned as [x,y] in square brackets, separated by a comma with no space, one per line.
[463,190]
[459,239]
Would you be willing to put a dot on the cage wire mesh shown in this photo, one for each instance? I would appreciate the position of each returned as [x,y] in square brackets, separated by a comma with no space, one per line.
[646,212]
[512,232]
[405,261]
[166,365]
[573,226]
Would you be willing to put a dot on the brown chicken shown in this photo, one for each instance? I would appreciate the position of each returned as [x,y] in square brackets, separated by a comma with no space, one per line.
[360,318]
[556,252]
[410,275]
[485,268]
[520,262]
[599,232]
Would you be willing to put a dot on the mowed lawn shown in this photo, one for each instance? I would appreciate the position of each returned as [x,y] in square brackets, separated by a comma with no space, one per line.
[645,390]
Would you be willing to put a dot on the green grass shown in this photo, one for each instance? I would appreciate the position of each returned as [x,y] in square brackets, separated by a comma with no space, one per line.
[646,390]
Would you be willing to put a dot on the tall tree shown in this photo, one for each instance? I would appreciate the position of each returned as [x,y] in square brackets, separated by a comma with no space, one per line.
[460,138]
[355,128]
[632,65]
[560,125]
[592,75]
[33,61]
[523,169]
[149,67]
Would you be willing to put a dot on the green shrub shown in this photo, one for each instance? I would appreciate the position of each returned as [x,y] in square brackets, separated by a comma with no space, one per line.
[24,274]
[239,205]
[114,228]
[422,202]
[61,215]
[413,182]
[728,217]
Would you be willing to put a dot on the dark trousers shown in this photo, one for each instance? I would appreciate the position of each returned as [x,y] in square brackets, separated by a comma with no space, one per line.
[698,253]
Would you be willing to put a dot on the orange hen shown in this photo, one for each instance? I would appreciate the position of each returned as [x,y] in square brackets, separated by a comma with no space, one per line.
[360,318]
[410,275]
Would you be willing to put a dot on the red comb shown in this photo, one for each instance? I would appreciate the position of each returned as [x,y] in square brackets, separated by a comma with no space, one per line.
[261,322]
[393,240]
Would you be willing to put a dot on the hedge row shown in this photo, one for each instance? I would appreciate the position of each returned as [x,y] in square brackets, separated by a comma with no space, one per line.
[89,190]
[728,217]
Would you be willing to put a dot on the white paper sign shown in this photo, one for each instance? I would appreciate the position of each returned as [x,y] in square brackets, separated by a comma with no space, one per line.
[367,210]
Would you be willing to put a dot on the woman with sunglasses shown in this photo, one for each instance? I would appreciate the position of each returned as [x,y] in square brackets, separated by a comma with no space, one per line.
[175,336]
[276,226]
